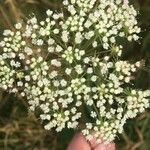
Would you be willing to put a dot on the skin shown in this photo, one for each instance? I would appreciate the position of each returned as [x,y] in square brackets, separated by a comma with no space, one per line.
[80,143]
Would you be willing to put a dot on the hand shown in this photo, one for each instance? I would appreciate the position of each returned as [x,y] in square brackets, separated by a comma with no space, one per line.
[80,143]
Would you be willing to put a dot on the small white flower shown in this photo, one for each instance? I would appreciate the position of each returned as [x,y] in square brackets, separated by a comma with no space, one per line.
[49,12]
[18,26]
[94,78]
[68,71]
[56,63]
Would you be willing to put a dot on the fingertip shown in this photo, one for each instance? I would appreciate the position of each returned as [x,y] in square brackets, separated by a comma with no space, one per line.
[101,147]
[111,146]
[95,141]
[78,143]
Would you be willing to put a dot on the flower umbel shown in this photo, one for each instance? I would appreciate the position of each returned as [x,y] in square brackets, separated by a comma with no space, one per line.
[70,62]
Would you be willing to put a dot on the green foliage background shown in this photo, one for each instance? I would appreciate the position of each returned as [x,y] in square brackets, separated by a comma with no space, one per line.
[21,130]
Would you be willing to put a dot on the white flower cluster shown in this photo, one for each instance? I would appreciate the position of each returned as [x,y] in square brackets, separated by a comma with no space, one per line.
[69,65]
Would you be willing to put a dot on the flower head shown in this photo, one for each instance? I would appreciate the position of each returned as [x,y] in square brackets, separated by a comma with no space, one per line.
[71,61]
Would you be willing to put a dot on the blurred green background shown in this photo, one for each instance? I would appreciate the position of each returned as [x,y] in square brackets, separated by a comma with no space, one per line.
[21,130]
